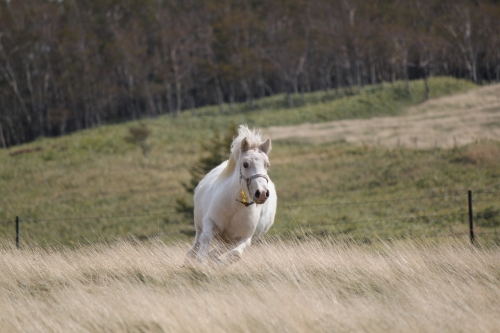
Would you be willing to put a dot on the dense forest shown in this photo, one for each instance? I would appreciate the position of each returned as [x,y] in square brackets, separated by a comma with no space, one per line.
[67,65]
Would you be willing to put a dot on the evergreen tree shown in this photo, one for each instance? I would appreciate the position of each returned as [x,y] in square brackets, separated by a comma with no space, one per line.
[217,150]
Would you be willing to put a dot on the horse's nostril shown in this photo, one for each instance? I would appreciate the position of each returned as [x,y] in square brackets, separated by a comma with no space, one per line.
[267,194]
[257,194]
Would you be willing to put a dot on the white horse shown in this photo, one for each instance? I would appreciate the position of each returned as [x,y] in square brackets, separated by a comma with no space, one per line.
[234,202]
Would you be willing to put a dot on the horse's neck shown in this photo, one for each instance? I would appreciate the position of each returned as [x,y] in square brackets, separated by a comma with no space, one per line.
[234,180]
[234,185]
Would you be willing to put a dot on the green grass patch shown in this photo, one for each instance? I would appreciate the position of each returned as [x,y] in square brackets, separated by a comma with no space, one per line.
[386,99]
[367,192]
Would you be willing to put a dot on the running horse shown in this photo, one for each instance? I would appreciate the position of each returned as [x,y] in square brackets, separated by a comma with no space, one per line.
[235,202]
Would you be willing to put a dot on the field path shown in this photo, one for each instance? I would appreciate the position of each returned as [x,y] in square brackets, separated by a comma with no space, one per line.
[442,122]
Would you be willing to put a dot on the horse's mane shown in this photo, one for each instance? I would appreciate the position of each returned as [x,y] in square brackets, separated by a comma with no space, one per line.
[254,139]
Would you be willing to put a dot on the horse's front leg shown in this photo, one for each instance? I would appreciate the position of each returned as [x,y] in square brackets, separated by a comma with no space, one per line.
[236,253]
[209,230]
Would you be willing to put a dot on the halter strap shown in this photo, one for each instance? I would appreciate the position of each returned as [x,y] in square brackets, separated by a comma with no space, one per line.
[248,181]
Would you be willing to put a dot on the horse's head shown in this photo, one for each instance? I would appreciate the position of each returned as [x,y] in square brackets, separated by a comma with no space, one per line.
[253,165]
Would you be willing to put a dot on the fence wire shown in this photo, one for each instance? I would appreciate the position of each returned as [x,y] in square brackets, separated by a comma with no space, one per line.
[173,210]
[95,217]
[488,192]
[288,208]
[375,201]
[376,238]
[373,221]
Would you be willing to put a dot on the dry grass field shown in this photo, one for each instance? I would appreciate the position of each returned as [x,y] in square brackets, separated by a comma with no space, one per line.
[282,286]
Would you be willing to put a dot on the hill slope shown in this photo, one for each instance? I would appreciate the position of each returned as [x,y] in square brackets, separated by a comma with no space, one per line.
[442,122]
[94,185]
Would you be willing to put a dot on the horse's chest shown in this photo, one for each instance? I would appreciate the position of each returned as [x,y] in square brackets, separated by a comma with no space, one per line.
[242,224]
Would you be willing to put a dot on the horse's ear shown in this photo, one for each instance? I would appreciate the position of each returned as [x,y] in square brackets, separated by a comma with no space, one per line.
[244,145]
[266,146]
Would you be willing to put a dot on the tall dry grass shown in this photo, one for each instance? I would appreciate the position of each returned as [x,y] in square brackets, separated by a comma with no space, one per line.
[312,286]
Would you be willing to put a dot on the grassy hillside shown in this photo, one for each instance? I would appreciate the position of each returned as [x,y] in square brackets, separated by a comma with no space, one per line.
[388,192]
[93,185]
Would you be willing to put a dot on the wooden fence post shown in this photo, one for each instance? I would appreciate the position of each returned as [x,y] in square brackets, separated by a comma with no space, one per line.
[471,218]
[17,232]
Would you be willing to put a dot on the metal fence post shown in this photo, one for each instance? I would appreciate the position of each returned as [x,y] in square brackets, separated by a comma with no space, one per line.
[17,232]
[471,218]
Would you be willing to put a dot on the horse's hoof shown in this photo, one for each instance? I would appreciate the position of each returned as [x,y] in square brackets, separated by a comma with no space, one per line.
[188,262]
[234,256]
[231,258]
[214,256]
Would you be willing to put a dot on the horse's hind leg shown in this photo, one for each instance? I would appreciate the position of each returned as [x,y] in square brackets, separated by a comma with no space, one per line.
[220,246]
[218,249]
[236,253]
[213,255]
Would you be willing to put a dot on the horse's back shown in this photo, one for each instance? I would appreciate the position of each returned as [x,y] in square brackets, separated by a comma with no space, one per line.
[203,193]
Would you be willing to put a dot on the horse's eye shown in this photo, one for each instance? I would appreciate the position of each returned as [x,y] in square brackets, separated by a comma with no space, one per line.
[245,165]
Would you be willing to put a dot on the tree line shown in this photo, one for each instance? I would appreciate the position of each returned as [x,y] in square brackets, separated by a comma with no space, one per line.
[67,65]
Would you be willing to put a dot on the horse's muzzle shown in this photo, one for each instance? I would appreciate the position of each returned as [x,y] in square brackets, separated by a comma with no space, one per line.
[260,197]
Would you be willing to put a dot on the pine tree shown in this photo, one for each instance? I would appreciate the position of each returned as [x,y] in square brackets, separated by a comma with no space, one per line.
[217,150]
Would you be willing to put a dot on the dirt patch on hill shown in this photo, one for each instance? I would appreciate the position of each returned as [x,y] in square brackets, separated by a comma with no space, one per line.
[442,122]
